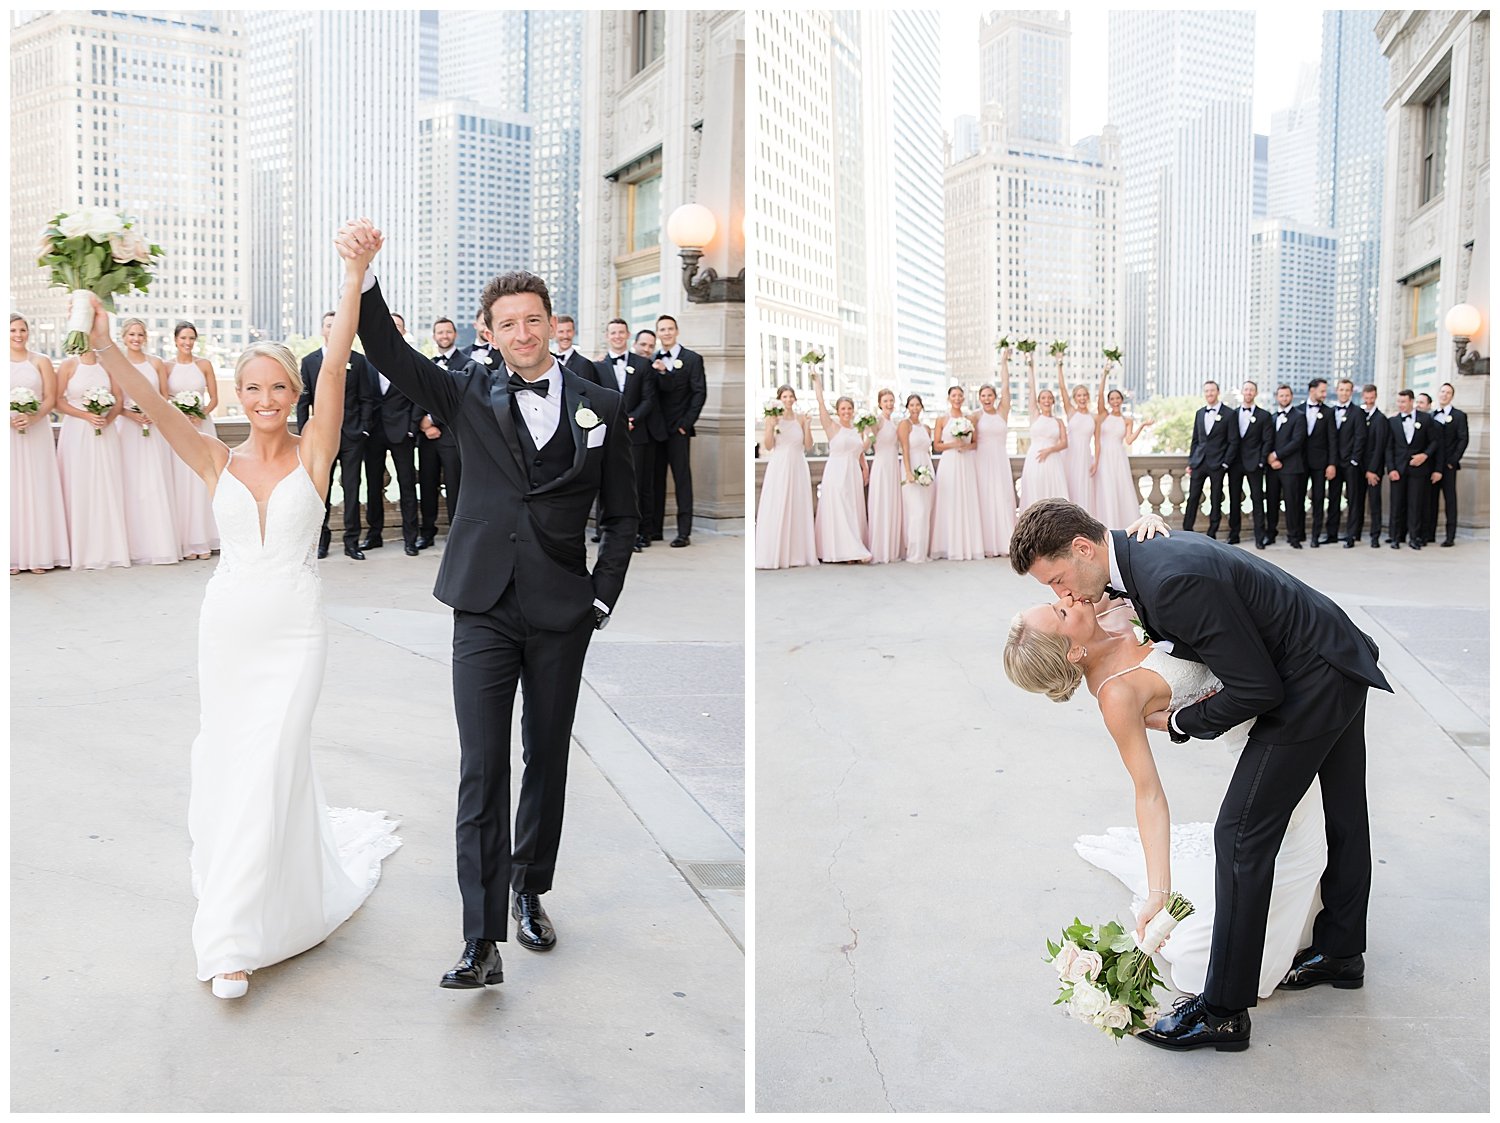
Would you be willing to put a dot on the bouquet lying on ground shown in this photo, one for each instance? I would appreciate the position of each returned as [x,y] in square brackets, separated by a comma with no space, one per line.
[98,401]
[1107,978]
[189,402]
[94,250]
[23,399]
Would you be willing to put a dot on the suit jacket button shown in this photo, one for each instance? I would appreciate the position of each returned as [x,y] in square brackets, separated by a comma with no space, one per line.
[538,461]
[512,537]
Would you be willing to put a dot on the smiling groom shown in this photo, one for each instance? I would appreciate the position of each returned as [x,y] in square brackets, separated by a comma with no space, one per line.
[538,445]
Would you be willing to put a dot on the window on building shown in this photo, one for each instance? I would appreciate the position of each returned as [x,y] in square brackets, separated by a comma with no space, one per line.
[1434,143]
[650,38]
[1419,347]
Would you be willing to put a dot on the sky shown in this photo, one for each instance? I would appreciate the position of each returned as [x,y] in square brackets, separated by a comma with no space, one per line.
[1285,38]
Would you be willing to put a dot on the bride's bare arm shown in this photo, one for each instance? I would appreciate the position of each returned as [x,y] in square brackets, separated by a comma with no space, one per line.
[1123,709]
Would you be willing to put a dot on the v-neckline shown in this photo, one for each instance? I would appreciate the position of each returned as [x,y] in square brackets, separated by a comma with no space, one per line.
[263,512]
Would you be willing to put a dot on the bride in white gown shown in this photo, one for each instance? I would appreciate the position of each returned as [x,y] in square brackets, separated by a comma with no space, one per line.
[275,871]
[1050,650]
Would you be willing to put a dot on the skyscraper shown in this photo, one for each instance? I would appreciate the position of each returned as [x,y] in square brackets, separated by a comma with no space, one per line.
[1024,65]
[1292,172]
[529,62]
[331,93]
[474,180]
[1260,188]
[1186,148]
[1350,179]
[138,113]
[1292,268]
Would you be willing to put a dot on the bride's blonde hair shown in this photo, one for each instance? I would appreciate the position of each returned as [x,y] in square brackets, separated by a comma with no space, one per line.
[271,350]
[1038,661]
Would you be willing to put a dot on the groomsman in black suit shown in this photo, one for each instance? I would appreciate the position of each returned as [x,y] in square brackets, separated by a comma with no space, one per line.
[1370,475]
[1454,425]
[1287,477]
[1348,443]
[633,377]
[481,348]
[1319,451]
[568,356]
[645,344]
[398,419]
[681,390]
[1216,445]
[1413,444]
[437,449]
[359,408]
[1254,427]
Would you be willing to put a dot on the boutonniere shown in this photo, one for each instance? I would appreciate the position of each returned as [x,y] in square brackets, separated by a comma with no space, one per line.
[1442,419]
[1418,424]
[486,359]
[1140,631]
[587,418]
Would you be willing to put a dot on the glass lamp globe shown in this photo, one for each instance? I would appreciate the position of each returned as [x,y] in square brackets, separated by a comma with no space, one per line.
[1463,320]
[692,226]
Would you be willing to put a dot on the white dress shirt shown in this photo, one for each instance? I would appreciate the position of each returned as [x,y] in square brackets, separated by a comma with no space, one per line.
[621,368]
[1311,415]
[541,412]
[1247,415]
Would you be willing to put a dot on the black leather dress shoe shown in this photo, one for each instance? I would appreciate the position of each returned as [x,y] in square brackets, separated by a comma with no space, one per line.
[642,542]
[596,537]
[679,541]
[322,551]
[354,552]
[1348,543]
[411,550]
[371,544]
[1233,540]
[1393,544]
[1315,543]
[533,928]
[656,537]
[1447,541]
[1416,543]
[478,966]
[1191,1026]
[1309,969]
[1295,545]
[1374,543]
[422,542]
[1260,543]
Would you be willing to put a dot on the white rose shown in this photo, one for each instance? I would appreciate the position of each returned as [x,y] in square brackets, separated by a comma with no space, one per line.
[96,222]
[127,247]
[586,418]
[1150,1014]
[1115,1016]
[1065,957]
[1088,1002]
[1086,965]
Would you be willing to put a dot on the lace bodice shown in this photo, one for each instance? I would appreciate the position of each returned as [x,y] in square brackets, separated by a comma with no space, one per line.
[1189,682]
[294,516]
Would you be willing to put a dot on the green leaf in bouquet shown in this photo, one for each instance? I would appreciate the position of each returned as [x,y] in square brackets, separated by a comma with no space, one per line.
[1027,346]
[1052,950]
[1005,341]
[1122,942]
[1058,347]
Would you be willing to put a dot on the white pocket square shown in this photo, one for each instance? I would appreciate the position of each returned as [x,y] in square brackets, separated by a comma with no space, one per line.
[596,436]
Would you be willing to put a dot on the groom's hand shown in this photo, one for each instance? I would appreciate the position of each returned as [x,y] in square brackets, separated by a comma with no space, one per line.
[358,242]
[1158,721]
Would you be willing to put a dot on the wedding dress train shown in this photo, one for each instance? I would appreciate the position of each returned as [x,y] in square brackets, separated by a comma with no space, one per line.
[1299,863]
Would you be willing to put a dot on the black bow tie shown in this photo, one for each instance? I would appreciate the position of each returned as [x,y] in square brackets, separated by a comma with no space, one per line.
[516,384]
[1247,409]
[1117,594]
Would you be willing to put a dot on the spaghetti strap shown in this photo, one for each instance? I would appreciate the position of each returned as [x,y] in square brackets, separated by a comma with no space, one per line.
[1117,674]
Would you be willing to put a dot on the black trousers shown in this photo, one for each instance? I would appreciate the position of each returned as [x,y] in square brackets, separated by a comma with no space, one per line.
[1341,477]
[1446,489]
[642,456]
[1318,479]
[404,458]
[1267,785]
[436,461]
[350,462]
[1409,504]
[1256,478]
[494,651]
[1361,493]
[1289,486]
[1215,477]
[674,452]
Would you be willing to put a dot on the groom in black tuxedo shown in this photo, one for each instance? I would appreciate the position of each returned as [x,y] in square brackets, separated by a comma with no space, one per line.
[1288,657]
[538,445]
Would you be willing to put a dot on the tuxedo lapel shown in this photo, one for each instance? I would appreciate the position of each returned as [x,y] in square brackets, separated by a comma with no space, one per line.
[573,399]
[500,404]
[1127,577]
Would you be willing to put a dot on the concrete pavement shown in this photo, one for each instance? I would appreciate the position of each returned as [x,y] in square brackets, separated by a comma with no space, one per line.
[640,1006]
[916,815]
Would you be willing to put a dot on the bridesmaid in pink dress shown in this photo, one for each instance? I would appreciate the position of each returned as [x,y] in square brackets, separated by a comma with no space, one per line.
[1117,491]
[38,530]
[885,485]
[1043,475]
[198,536]
[840,520]
[150,507]
[784,535]
[997,487]
[915,439]
[956,528]
[88,461]
[1080,458]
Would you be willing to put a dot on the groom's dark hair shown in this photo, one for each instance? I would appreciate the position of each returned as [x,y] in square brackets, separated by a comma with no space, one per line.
[1047,528]
[513,284]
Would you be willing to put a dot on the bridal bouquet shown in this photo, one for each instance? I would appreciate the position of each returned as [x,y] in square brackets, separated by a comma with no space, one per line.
[98,401]
[135,409]
[921,475]
[813,358]
[1105,978]
[1026,346]
[94,250]
[866,421]
[190,402]
[1058,347]
[23,399]
[959,429]
[1112,354]
[773,410]
[1005,341]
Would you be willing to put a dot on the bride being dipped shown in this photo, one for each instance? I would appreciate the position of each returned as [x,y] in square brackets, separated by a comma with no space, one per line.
[1052,649]
[274,870]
